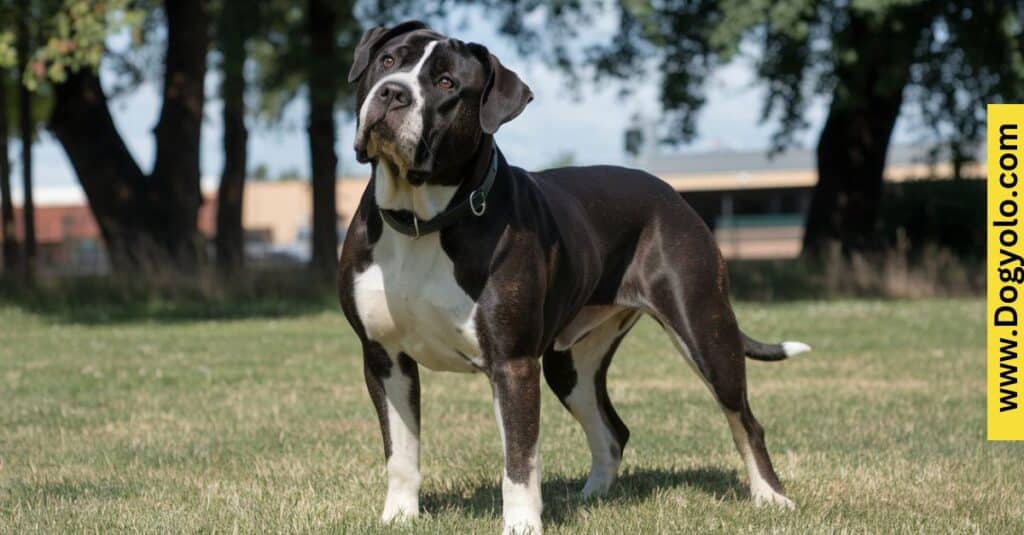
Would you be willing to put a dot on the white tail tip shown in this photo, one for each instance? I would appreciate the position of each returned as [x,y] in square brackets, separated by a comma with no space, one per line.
[795,348]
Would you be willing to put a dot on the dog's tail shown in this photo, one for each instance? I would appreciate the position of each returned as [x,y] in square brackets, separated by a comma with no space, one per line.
[772,352]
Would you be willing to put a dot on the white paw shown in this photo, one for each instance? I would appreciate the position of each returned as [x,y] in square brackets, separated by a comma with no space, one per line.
[598,484]
[400,509]
[768,497]
[522,523]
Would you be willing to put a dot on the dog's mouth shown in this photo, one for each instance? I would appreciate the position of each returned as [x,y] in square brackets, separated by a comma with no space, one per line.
[416,177]
[379,143]
[370,142]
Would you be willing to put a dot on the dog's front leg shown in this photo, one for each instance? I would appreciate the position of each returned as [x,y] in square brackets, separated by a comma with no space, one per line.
[394,386]
[516,387]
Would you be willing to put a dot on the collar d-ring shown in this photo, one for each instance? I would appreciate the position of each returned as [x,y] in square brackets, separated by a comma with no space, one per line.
[477,198]
[475,203]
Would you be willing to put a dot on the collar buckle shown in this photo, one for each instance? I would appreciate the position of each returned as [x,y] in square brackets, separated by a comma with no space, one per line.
[477,202]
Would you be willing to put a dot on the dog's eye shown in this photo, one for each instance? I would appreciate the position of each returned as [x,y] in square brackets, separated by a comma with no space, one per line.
[387,61]
[445,83]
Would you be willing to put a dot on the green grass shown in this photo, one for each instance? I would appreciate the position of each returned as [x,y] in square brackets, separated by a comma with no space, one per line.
[263,425]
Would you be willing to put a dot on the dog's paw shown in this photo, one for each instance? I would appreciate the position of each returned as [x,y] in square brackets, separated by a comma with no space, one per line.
[522,523]
[767,497]
[597,485]
[522,529]
[400,509]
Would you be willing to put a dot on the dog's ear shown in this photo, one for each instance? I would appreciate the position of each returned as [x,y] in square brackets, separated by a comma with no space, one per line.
[504,96]
[372,40]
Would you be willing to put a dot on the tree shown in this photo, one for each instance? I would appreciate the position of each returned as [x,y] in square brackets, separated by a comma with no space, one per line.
[872,58]
[261,173]
[26,130]
[312,49]
[236,24]
[324,85]
[10,239]
[24,113]
[946,57]
[148,221]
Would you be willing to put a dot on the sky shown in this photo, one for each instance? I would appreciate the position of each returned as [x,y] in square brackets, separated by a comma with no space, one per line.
[588,125]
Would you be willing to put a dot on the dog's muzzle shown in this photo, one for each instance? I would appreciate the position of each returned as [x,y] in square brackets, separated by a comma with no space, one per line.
[386,106]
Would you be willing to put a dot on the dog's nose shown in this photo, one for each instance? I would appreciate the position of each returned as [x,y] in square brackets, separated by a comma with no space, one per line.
[395,94]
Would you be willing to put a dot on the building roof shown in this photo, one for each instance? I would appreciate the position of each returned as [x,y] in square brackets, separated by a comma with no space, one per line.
[70,195]
[736,161]
[746,170]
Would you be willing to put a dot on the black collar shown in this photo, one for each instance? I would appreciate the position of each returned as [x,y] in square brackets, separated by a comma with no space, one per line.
[407,223]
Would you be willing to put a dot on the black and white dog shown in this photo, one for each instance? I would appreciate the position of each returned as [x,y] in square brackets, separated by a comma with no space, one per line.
[457,261]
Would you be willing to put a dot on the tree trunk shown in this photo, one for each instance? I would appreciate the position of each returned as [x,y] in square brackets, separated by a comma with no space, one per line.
[323,89]
[174,195]
[10,239]
[230,241]
[28,210]
[148,223]
[854,142]
[112,180]
[851,162]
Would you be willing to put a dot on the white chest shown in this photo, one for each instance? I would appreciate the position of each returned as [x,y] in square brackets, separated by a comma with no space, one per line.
[409,302]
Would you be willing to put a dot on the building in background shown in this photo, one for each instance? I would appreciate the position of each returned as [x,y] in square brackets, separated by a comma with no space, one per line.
[276,215]
[755,205]
[67,238]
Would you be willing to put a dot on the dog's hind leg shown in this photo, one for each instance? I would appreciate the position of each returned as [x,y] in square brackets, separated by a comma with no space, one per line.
[716,353]
[689,296]
[577,374]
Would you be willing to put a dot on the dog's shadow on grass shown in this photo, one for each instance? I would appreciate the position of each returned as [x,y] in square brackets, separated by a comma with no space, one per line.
[562,495]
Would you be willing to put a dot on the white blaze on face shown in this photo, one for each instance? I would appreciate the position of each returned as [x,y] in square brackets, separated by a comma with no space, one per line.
[412,129]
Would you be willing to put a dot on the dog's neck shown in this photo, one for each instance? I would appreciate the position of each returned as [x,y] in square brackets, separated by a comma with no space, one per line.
[392,191]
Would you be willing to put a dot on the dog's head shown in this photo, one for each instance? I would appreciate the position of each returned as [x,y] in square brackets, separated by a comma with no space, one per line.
[424,100]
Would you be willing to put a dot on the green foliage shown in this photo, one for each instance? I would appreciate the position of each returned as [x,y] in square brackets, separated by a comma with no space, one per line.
[138,54]
[280,58]
[93,300]
[41,100]
[931,213]
[959,55]
[565,158]
[65,35]
[260,173]
[281,55]
[7,52]
[291,173]
[952,56]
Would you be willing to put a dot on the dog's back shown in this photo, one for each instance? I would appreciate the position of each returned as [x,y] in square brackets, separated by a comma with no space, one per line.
[626,208]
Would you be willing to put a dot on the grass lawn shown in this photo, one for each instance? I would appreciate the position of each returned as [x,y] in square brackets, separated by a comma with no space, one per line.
[264,425]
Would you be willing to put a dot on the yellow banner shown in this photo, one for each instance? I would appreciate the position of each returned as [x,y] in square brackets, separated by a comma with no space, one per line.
[1005,272]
